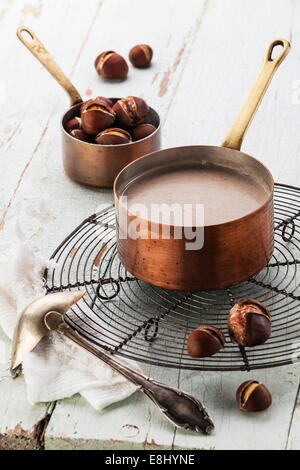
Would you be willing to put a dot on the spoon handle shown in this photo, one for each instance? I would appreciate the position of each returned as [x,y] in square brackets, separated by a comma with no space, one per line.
[182,409]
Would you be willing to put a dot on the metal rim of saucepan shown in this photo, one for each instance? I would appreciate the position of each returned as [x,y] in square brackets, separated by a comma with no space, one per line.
[239,153]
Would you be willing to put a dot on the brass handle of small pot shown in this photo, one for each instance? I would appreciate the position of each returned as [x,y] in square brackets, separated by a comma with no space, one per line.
[238,129]
[38,50]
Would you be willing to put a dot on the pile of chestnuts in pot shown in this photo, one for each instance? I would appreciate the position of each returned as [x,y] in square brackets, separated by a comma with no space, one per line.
[249,325]
[106,121]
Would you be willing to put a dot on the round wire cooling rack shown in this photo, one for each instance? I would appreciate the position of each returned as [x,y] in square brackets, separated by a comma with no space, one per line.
[128,317]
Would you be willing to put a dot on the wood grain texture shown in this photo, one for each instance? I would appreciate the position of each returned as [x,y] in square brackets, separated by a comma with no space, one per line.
[241,430]
[34,93]
[220,72]
[293,441]
[22,425]
[124,425]
[206,57]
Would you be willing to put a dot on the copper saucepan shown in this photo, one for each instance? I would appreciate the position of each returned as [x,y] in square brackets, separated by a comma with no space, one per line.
[91,164]
[233,250]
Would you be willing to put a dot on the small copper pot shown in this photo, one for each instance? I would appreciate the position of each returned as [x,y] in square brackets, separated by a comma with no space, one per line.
[91,164]
[232,251]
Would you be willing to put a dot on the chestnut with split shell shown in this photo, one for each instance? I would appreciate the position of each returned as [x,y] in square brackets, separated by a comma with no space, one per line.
[80,135]
[74,123]
[86,162]
[113,136]
[98,100]
[97,116]
[109,64]
[249,323]
[205,341]
[141,55]
[142,131]
[253,396]
[130,111]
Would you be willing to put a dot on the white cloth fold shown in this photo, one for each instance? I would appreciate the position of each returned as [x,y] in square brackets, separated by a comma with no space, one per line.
[57,368]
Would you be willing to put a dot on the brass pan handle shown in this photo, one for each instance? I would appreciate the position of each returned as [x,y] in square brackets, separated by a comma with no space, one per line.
[236,134]
[38,50]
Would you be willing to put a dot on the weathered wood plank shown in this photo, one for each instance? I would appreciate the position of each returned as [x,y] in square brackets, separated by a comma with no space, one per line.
[236,429]
[22,425]
[293,442]
[33,92]
[75,425]
[220,72]
[125,425]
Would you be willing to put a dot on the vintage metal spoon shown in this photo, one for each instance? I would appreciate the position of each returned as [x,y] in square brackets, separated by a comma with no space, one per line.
[47,313]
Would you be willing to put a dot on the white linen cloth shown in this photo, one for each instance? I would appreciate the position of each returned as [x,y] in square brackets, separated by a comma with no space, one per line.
[57,368]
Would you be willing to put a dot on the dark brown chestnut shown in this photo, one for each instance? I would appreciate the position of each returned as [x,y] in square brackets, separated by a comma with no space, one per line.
[249,323]
[205,341]
[130,111]
[140,56]
[80,135]
[96,117]
[98,100]
[109,64]
[142,131]
[74,123]
[113,136]
[253,396]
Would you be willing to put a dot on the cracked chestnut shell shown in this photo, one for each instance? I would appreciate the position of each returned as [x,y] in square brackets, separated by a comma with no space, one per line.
[113,136]
[80,135]
[109,64]
[98,100]
[130,111]
[253,396]
[74,123]
[142,131]
[249,323]
[140,55]
[205,341]
[96,117]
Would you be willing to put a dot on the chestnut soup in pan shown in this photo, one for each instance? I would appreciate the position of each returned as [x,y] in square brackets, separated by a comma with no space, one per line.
[226,194]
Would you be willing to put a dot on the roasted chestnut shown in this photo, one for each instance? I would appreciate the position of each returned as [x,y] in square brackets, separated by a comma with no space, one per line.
[80,135]
[253,396]
[140,56]
[113,136]
[142,131]
[249,323]
[98,100]
[205,341]
[74,123]
[109,64]
[130,111]
[96,117]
